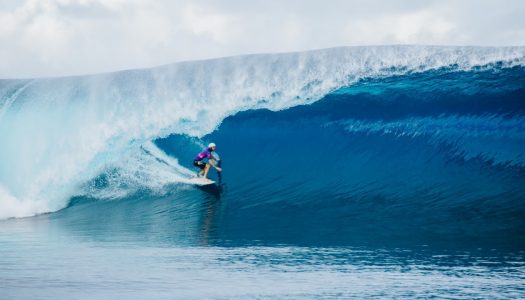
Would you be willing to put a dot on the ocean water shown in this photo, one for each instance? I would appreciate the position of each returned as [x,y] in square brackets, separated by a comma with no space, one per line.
[361,172]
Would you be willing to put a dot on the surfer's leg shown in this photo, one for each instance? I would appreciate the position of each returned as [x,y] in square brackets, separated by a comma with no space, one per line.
[203,170]
[199,165]
[206,169]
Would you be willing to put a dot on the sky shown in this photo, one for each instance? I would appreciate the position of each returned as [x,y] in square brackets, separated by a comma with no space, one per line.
[40,38]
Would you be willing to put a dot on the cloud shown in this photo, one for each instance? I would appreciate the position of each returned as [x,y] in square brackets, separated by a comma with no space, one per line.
[200,20]
[66,37]
[421,27]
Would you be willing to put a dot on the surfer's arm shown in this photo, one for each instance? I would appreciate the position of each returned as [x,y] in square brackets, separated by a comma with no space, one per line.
[210,160]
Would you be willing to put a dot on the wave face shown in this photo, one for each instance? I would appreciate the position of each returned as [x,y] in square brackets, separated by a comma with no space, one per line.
[404,139]
[432,155]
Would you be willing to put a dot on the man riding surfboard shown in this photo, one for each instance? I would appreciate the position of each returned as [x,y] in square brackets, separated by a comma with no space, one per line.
[205,166]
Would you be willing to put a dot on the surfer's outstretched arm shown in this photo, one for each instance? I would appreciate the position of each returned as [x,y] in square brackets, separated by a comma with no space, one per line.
[213,164]
[207,168]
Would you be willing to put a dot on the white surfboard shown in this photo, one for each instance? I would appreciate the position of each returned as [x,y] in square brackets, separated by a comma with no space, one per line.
[201,181]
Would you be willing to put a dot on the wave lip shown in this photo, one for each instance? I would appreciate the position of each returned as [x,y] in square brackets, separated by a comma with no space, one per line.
[59,133]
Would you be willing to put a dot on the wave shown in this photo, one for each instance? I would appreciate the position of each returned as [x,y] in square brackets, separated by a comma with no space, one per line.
[98,134]
[383,160]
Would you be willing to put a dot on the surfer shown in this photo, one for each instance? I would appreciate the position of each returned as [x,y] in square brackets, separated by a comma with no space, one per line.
[205,167]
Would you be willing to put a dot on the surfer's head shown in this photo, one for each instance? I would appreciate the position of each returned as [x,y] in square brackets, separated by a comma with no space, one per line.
[212,146]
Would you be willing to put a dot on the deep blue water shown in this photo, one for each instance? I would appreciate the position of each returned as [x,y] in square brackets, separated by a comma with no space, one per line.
[410,185]
[411,158]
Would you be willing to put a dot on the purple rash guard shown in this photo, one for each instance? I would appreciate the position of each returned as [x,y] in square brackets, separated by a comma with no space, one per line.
[204,154]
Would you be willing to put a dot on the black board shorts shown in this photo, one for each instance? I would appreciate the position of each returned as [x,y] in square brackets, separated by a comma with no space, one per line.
[199,164]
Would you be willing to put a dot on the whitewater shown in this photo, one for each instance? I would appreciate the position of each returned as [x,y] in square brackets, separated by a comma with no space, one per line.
[59,134]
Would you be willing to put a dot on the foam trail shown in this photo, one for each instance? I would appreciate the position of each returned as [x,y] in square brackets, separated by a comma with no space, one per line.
[139,167]
[57,134]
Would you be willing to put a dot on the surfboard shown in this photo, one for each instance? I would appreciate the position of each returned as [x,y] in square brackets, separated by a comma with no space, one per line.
[201,181]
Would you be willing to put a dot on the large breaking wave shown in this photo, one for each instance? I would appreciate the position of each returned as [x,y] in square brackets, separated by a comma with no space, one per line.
[398,123]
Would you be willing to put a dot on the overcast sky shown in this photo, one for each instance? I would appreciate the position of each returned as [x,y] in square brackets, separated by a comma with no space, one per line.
[66,37]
